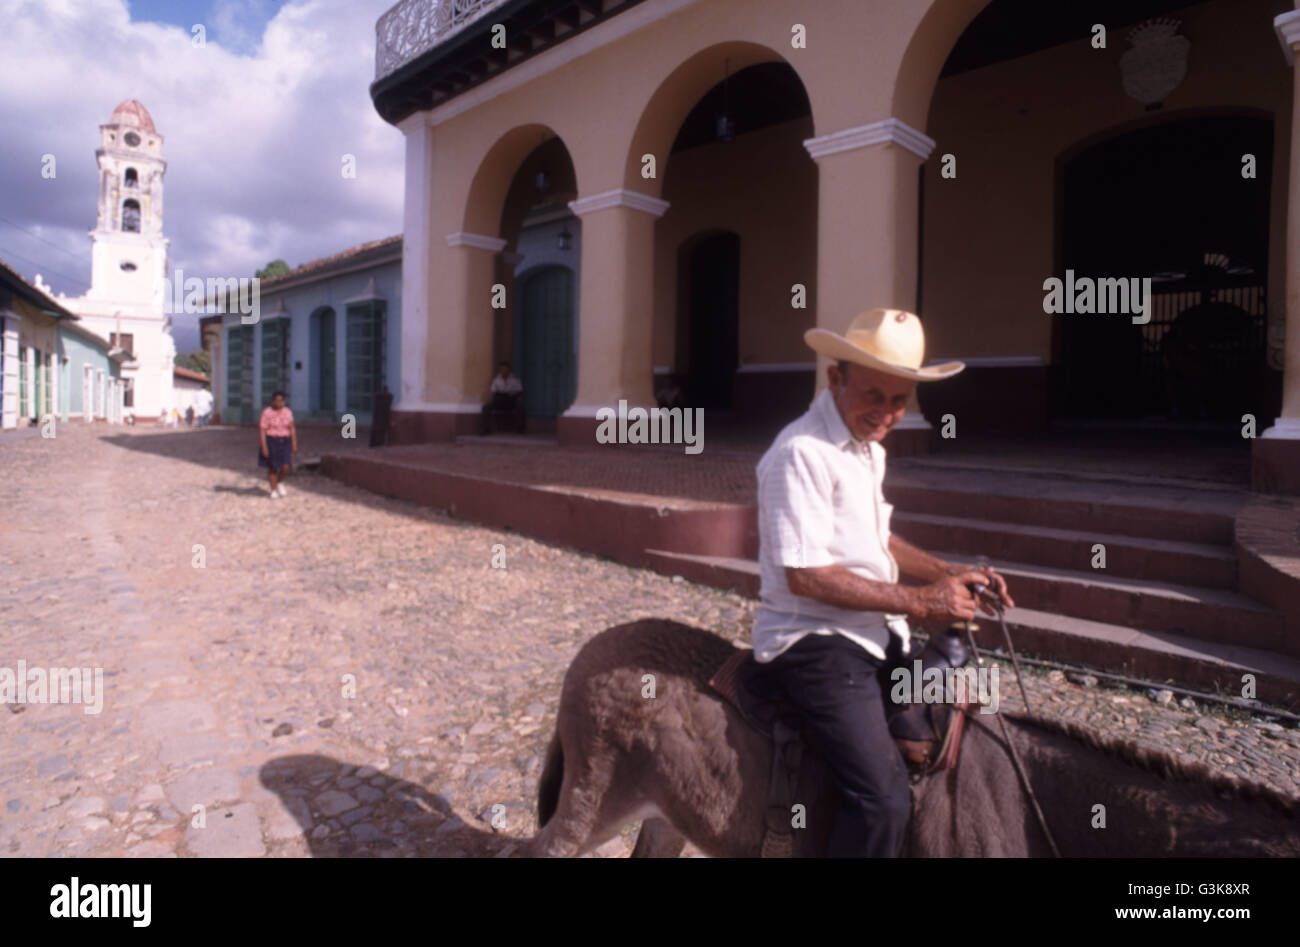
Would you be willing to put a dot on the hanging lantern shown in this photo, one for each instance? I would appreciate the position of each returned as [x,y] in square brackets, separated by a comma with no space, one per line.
[725,129]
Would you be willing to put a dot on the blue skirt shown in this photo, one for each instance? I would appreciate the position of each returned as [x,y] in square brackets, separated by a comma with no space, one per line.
[280,450]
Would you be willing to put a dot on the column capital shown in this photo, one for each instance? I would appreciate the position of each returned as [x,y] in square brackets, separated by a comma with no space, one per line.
[1286,429]
[1287,27]
[619,197]
[886,131]
[415,121]
[462,239]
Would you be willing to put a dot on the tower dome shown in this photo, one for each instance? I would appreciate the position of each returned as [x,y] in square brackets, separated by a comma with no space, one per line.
[132,112]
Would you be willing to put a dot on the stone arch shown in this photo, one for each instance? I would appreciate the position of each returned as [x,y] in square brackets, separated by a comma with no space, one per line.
[927,50]
[491,184]
[675,96]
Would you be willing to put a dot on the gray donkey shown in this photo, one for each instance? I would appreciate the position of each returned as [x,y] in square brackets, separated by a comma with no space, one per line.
[688,766]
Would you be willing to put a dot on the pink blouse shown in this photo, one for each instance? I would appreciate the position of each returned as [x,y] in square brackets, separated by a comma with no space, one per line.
[276,423]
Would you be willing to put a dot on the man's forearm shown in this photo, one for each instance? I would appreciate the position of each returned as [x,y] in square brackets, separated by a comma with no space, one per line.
[838,586]
[917,563]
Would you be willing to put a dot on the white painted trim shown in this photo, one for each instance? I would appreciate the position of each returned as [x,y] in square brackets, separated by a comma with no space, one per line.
[1287,27]
[995,361]
[1284,429]
[759,367]
[913,422]
[563,53]
[885,131]
[619,197]
[413,122]
[584,410]
[463,239]
[440,407]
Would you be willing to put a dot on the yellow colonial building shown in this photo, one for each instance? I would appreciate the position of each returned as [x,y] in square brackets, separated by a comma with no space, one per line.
[726,174]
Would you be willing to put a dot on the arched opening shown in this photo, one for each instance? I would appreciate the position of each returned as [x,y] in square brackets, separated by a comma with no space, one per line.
[740,233]
[525,183]
[131,216]
[545,353]
[1168,202]
[322,385]
[131,179]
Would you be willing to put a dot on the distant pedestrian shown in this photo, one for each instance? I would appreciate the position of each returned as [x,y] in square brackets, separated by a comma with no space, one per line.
[279,442]
[204,402]
[189,415]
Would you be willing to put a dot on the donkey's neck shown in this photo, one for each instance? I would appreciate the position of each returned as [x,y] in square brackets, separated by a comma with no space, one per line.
[1107,796]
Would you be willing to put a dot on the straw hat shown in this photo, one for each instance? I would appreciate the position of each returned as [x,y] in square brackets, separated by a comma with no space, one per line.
[888,340]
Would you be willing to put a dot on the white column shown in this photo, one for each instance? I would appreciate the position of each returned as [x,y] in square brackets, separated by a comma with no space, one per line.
[54,384]
[417,222]
[9,371]
[1287,427]
[30,407]
[868,202]
[616,303]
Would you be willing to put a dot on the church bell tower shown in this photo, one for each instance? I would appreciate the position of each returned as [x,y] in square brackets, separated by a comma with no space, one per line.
[129,253]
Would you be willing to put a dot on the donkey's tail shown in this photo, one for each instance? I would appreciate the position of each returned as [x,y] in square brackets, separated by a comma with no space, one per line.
[548,788]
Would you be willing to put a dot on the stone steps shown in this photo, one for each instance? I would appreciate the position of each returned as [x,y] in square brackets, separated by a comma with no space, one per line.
[1160,656]
[1135,557]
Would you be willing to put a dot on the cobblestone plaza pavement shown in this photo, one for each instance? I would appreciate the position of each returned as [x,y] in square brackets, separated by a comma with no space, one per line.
[224,686]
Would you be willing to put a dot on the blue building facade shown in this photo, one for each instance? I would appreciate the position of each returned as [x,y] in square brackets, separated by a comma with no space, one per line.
[86,363]
[328,336]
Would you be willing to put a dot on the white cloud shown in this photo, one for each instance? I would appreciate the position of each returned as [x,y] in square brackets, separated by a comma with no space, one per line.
[254,142]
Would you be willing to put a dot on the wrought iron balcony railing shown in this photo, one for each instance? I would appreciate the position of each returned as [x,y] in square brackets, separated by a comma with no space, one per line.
[414,26]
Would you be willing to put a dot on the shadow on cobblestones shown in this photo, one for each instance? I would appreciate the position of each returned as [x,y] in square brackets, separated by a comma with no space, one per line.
[350,811]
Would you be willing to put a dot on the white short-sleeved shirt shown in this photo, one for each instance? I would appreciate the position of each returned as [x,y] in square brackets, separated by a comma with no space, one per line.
[820,503]
[508,386]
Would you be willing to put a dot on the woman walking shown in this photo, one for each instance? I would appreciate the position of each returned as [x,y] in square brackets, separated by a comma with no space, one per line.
[279,440]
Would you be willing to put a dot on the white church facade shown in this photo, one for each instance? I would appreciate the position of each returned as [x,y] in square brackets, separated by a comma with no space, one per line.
[129,261]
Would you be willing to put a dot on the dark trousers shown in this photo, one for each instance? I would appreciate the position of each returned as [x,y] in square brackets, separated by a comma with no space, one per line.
[835,684]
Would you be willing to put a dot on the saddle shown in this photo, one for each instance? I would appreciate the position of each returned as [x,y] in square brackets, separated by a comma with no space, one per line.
[928,735]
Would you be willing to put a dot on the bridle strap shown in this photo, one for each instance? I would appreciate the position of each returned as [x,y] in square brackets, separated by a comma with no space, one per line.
[1006,735]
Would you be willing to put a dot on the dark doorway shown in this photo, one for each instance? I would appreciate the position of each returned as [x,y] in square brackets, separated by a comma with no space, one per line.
[322,395]
[545,357]
[713,297]
[1169,202]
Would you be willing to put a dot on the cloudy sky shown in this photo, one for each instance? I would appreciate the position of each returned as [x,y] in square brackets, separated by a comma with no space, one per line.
[255,125]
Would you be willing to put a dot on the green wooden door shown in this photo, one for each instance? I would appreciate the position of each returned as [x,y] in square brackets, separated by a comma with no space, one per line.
[367,350]
[547,366]
[239,375]
[275,358]
[325,365]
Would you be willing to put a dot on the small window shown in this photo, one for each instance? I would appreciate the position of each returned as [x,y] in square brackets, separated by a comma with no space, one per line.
[132,179]
[128,266]
[131,216]
[131,138]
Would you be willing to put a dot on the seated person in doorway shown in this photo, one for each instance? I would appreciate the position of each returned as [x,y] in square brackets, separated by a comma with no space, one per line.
[507,398]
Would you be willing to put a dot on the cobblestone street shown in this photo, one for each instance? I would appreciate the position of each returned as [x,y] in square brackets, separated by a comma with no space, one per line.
[225,686]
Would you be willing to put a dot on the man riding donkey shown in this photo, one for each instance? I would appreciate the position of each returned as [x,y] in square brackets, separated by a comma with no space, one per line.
[832,612]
